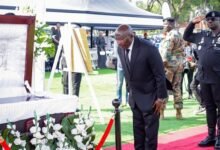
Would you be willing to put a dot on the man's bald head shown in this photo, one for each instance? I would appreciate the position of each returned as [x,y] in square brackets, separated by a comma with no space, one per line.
[123,31]
[124,36]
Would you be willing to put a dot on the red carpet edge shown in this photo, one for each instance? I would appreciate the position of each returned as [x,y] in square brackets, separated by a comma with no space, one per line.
[185,139]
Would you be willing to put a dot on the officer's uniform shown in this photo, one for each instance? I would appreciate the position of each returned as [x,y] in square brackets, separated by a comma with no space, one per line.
[208,75]
[172,52]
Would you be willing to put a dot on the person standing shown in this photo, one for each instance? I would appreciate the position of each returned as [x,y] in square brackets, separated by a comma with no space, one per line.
[195,86]
[56,35]
[171,50]
[145,78]
[120,77]
[100,42]
[76,78]
[208,43]
[188,68]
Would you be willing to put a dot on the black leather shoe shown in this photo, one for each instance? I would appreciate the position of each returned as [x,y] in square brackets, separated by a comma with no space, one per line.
[217,144]
[208,141]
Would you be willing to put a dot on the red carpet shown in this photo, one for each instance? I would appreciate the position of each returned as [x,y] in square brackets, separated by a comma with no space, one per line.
[186,139]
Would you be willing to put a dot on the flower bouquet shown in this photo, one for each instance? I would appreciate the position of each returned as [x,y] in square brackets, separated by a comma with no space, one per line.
[76,132]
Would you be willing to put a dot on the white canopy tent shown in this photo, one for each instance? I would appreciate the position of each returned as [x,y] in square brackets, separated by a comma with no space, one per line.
[101,13]
[92,13]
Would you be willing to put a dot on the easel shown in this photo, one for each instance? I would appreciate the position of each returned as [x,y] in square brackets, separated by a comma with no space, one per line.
[68,38]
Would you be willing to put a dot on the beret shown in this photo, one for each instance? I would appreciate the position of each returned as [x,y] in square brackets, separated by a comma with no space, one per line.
[213,14]
[170,19]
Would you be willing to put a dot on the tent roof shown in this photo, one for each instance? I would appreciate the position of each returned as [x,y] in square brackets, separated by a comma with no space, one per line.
[100,13]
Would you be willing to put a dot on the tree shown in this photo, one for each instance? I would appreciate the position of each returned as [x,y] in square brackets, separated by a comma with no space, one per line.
[180,9]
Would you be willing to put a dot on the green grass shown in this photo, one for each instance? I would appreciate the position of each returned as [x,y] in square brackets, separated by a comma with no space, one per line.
[104,83]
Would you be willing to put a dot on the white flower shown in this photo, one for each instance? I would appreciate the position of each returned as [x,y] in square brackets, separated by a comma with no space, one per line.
[57,127]
[74,131]
[17,141]
[52,119]
[76,121]
[49,136]
[34,121]
[38,135]
[43,141]
[12,132]
[90,146]
[45,122]
[81,121]
[78,138]
[55,135]
[13,127]
[45,147]
[61,137]
[60,144]
[23,143]
[80,127]
[81,146]
[84,133]
[33,129]
[8,126]
[17,134]
[89,123]
[44,130]
[34,141]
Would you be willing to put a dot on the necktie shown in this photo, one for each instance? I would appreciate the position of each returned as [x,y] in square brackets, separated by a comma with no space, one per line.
[127,58]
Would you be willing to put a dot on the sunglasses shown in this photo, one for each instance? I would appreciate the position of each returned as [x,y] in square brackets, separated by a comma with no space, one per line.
[211,18]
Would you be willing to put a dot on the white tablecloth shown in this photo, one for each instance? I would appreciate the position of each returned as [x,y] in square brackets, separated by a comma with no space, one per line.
[25,109]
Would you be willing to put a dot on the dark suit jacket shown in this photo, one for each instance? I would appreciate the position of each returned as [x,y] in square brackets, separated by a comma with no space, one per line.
[145,78]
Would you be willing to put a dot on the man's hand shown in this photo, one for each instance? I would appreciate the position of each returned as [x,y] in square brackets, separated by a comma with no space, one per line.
[158,105]
[197,19]
[165,64]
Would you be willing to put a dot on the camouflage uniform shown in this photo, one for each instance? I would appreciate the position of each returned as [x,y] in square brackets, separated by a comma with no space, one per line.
[172,53]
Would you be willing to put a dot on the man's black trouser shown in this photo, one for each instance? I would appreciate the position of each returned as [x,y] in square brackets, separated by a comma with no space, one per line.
[146,126]
[211,96]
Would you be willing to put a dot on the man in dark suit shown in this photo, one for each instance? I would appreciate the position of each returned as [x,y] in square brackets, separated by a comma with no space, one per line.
[145,77]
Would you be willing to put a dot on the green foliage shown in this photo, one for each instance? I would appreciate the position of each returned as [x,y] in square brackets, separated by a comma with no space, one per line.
[82,124]
[180,13]
[43,41]
[68,125]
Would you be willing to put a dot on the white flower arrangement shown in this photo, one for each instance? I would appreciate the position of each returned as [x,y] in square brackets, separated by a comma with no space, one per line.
[76,132]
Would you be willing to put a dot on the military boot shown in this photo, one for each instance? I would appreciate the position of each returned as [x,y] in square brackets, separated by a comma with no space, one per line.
[209,140]
[217,142]
[179,114]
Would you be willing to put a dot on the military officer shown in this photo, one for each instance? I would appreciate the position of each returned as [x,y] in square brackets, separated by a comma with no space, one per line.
[208,72]
[172,52]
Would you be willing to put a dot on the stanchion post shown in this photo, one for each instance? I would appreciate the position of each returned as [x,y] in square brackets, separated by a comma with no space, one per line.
[116,104]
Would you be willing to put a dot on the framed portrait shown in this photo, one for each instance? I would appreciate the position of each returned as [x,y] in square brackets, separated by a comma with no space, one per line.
[16,49]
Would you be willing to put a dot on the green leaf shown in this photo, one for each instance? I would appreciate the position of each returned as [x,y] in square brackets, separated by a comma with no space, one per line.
[90,129]
[5,133]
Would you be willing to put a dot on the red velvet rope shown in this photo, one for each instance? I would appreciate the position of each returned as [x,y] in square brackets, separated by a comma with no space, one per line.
[5,145]
[105,135]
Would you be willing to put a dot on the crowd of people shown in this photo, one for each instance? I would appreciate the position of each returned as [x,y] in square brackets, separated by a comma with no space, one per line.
[147,69]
